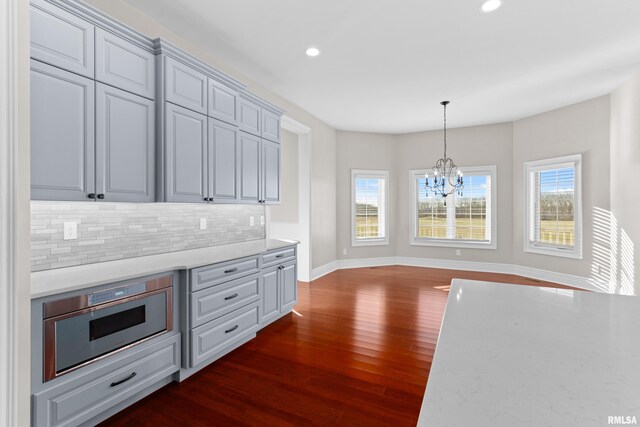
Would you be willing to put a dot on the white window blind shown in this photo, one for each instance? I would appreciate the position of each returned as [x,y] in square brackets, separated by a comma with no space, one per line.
[553,206]
[466,220]
[369,207]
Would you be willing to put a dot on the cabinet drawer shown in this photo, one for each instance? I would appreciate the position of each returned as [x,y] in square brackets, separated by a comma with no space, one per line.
[216,336]
[87,395]
[213,302]
[124,65]
[185,86]
[278,256]
[61,39]
[249,116]
[203,277]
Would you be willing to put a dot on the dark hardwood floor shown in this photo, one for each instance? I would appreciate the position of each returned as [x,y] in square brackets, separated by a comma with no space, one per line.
[356,352]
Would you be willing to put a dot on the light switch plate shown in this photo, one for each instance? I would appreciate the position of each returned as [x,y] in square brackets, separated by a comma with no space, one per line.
[203,223]
[251,221]
[261,219]
[70,230]
[458,252]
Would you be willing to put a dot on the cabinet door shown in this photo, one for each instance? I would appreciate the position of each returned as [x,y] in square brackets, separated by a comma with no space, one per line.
[186,155]
[289,283]
[125,139]
[124,65]
[61,39]
[249,167]
[185,86]
[269,295]
[62,134]
[270,172]
[270,126]
[223,161]
[249,116]
[223,102]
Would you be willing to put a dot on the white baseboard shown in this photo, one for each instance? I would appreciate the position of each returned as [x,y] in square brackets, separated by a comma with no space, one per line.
[486,267]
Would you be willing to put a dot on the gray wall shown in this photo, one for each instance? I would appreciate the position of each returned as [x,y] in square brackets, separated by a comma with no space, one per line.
[470,146]
[323,147]
[357,150]
[287,210]
[579,128]
[625,174]
[111,231]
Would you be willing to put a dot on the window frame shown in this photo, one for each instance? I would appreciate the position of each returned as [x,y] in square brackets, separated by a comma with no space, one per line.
[375,174]
[490,170]
[574,161]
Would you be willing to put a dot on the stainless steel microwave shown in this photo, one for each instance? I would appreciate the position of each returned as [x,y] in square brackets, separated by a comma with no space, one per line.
[82,329]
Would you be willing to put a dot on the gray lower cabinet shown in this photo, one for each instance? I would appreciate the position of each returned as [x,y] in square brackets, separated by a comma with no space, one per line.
[98,389]
[62,134]
[124,65]
[223,161]
[249,168]
[185,168]
[125,146]
[270,172]
[62,39]
[278,288]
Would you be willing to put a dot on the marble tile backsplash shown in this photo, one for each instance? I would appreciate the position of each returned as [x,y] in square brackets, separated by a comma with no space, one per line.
[111,231]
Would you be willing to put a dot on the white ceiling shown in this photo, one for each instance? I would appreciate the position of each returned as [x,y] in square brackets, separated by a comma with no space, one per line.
[386,64]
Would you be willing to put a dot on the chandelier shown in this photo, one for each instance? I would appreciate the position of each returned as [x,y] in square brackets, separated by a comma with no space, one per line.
[447,178]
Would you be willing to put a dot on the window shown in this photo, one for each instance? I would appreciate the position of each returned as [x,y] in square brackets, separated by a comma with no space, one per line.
[369,219]
[468,220]
[554,211]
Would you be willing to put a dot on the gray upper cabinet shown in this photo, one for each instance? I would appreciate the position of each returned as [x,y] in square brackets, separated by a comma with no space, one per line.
[270,126]
[185,86]
[62,134]
[223,102]
[185,155]
[62,39]
[249,167]
[125,141]
[124,65]
[223,161]
[249,116]
[270,172]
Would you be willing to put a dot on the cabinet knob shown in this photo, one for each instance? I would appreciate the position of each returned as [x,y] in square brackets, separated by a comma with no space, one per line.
[211,199]
[91,195]
[100,196]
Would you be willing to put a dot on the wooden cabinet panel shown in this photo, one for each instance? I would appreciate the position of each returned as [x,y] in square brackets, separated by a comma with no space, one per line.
[62,39]
[223,102]
[125,145]
[270,172]
[249,168]
[124,65]
[223,161]
[62,134]
[185,86]
[186,155]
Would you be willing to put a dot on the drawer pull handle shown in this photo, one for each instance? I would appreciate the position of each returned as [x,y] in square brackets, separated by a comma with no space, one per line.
[116,383]
[231,330]
[231,270]
[279,256]
[230,297]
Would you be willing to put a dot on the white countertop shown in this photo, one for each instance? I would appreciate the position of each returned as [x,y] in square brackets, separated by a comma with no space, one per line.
[513,356]
[50,282]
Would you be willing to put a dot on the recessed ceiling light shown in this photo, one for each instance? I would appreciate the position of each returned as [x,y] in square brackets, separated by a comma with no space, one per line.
[491,5]
[313,51]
